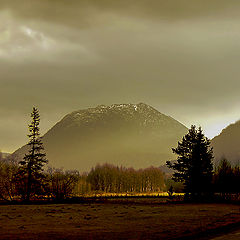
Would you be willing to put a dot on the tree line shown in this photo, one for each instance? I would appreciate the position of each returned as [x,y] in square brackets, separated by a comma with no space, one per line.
[226,179]
[57,184]
[112,179]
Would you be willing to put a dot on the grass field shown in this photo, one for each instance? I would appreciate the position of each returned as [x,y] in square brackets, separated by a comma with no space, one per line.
[113,220]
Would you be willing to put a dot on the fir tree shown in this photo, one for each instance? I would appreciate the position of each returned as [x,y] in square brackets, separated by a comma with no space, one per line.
[194,163]
[34,161]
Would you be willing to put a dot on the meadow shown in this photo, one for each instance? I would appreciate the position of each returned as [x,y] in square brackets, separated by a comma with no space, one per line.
[117,220]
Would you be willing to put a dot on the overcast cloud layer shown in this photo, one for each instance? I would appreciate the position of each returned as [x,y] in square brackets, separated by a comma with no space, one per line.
[181,57]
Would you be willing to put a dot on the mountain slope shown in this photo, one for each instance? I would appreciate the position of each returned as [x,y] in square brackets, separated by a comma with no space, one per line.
[227,144]
[123,134]
[4,155]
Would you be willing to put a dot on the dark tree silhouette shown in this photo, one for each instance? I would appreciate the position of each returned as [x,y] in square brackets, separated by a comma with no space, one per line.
[194,163]
[224,178]
[109,178]
[31,167]
[8,170]
[61,184]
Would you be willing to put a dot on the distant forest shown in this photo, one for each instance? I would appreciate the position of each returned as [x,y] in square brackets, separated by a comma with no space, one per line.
[60,184]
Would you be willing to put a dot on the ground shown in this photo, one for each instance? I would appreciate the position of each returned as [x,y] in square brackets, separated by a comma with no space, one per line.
[113,220]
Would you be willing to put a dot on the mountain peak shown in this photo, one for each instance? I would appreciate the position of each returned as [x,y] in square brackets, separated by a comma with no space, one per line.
[139,115]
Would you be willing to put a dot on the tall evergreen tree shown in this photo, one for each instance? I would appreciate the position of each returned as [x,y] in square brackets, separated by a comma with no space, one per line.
[194,163]
[34,161]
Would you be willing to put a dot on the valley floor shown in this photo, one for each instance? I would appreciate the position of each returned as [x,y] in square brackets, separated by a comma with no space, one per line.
[115,221]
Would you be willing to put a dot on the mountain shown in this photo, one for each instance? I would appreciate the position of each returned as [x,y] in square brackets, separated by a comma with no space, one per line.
[227,144]
[166,170]
[131,135]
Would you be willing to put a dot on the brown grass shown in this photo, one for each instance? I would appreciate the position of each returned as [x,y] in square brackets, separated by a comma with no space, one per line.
[112,220]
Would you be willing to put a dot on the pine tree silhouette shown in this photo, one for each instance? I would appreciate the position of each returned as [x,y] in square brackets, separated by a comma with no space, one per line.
[33,162]
[194,165]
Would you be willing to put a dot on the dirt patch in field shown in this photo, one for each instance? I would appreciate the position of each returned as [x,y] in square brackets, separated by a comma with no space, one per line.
[113,221]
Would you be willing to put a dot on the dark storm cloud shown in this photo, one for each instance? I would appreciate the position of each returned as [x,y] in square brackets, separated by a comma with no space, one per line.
[179,56]
[86,12]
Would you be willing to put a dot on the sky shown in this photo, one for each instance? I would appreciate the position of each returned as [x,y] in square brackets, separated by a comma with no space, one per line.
[181,57]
